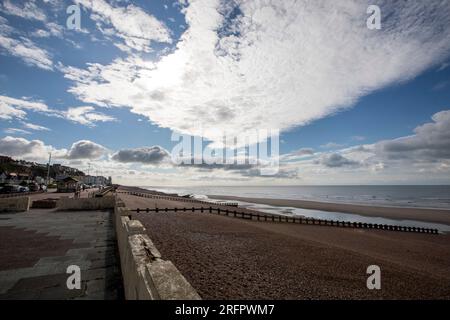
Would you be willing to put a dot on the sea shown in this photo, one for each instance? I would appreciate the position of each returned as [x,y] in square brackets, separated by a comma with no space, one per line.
[437,197]
[401,196]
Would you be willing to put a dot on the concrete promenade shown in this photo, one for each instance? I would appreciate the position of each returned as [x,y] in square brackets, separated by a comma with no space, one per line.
[37,246]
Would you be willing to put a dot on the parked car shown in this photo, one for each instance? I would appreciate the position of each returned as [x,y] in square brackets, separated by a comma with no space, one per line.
[33,186]
[10,189]
[24,189]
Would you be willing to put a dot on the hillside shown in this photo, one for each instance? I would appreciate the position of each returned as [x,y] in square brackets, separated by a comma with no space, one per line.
[9,165]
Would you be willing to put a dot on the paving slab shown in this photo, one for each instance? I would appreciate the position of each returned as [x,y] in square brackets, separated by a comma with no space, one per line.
[37,247]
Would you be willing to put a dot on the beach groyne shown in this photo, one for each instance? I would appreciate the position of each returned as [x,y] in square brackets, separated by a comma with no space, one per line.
[256,216]
[432,215]
[146,275]
[171,198]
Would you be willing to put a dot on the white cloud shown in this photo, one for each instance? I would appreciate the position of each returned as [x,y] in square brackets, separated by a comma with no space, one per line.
[24,104]
[11,108]
[28,149]
[35,127]
[28,10]
[444,66]
[278,65]
[16,108]
[5,28]
[37,150]
[146,155]
[85,149]
[335,160]
[300,153]
[16,43]
[40,33]
[430,143]
[137,28]
[332,145]
[53,29]
[87,115]
[421,158]
[8,112]
[27,50]
[16,131]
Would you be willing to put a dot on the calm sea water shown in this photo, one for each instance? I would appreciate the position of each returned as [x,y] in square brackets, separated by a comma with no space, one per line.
[406,196]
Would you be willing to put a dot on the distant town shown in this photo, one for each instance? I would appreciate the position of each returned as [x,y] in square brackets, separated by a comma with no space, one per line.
[24,176]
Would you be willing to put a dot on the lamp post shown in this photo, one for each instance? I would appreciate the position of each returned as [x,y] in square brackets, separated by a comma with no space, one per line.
[48,169]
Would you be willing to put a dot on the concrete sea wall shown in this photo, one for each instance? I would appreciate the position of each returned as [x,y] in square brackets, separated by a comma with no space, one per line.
[17,204]
[65,203]
[146,275]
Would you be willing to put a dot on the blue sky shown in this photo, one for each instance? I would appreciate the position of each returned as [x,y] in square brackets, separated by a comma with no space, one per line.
[138,71]
[386,114]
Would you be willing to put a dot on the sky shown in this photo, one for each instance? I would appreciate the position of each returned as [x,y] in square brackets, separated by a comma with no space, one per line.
[352,104]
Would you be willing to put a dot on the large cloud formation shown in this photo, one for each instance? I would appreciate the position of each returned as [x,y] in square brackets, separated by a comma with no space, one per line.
[145,155]
[85,149]
[422,157]
[336,160]
[26,149]
[242,65]
[37,150]
[431,142]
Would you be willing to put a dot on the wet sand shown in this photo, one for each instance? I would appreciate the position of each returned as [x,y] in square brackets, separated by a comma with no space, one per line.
[228,258]
[398,213]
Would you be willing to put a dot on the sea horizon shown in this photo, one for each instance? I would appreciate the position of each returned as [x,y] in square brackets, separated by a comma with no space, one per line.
[421,196]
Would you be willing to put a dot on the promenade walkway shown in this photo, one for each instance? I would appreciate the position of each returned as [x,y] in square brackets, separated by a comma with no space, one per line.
[36,248]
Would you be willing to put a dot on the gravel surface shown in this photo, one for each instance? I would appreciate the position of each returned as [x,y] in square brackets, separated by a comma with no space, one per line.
[227,258]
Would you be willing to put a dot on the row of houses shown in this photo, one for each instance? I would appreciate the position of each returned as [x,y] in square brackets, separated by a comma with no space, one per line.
[65,183]
[25,173]
[88,180]
[17,178]
[72,184]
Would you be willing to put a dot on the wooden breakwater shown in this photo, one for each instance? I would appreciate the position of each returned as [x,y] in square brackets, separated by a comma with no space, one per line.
[178,198]
[268,217]
[288,219]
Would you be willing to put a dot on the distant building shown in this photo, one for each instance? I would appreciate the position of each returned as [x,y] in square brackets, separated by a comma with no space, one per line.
[68,184]
[39,180]
[86,179]
[12,178]
[3,177]
[94,180]
[23,177]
